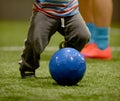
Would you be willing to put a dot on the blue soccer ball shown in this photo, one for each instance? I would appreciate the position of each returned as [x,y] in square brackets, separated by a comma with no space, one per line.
[67,66]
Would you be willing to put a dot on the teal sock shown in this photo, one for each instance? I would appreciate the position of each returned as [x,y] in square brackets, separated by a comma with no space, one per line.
[91,28]
[102,37]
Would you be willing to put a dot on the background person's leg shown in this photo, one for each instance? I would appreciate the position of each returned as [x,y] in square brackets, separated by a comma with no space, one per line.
[102,14]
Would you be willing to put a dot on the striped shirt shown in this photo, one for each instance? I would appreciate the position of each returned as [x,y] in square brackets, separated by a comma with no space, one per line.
[57,8]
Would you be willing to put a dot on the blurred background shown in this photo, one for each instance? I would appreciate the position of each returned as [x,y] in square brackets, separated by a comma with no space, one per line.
[21,10]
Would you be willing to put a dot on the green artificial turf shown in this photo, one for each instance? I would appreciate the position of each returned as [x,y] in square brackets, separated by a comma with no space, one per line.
[100,83]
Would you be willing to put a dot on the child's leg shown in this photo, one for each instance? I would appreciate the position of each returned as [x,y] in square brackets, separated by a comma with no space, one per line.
[76,32]
[41,29]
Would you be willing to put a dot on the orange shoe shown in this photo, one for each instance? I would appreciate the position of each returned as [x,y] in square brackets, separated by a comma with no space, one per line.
[87,48]
[97,53]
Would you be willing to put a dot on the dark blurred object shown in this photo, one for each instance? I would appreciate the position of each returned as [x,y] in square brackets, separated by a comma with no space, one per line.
[116,11]
[15,9]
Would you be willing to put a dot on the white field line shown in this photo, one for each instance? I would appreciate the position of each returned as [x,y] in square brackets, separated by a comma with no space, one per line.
[115,31]
[19,48]
[52,48]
